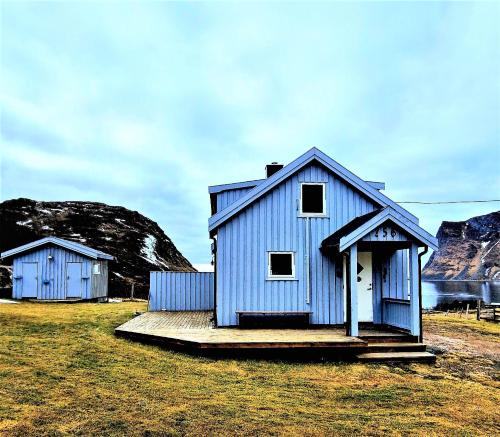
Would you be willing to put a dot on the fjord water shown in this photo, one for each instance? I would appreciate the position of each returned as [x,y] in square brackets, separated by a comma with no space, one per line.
[438,293]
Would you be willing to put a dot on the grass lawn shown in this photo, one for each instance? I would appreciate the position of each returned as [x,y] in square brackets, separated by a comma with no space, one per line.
[62,371]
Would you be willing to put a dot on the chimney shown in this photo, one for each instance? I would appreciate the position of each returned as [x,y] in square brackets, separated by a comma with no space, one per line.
[273,168]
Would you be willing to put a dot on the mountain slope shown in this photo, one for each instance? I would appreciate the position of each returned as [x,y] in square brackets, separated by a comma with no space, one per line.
[138,243]
[467,250]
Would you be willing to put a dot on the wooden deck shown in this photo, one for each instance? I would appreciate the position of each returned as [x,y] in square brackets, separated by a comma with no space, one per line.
[195,330]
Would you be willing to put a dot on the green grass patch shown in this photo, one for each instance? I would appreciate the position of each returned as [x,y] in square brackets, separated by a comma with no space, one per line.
[63,372]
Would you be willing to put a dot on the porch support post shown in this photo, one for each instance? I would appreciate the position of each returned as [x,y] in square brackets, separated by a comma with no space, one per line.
[353,295]
[414,292]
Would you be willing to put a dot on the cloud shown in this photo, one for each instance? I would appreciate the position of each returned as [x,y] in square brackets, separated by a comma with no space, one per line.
[146,104]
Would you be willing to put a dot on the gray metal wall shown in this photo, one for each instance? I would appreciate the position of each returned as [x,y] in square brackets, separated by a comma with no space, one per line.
[100,282]
[51,282]
[181,291]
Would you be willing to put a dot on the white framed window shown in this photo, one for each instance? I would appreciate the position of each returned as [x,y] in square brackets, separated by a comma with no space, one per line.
[96,269]
[313,199]
[280,265]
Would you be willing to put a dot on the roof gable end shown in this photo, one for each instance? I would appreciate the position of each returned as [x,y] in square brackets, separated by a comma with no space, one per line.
[70,245]
[313,154]
[387,214]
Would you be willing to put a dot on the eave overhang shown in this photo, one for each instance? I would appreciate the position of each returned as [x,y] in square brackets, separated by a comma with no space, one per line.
[69,245]
[346,236]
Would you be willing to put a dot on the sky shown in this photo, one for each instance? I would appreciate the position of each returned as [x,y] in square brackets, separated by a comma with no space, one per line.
[146,104]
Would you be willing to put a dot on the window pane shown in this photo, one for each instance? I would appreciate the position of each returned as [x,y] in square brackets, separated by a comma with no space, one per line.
[281,264]
[312,199]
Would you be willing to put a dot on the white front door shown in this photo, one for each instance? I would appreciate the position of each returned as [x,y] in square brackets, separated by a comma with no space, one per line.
[365,289]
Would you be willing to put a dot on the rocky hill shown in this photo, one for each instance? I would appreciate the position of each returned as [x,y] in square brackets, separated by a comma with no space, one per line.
[138,243]
[467,250]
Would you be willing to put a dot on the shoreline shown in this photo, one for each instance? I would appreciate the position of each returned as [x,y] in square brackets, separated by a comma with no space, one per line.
[461,280]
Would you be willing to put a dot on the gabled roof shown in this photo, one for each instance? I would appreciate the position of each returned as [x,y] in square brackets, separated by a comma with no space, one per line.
[213,189]
[70,245]
[362,225]
[376,185]
[334,239]
[311,155]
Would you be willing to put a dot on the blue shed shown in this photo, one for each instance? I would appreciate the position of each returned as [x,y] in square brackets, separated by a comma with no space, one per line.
[313,240]
[57,269]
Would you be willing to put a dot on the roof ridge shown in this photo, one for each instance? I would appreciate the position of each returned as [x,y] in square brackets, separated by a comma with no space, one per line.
[314,153]
[67,244]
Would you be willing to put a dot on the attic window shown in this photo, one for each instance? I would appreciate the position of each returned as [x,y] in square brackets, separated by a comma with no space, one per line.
[312,199]
[281,265]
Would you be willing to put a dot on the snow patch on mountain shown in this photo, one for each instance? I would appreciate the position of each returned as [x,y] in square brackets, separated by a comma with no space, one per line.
[149,251]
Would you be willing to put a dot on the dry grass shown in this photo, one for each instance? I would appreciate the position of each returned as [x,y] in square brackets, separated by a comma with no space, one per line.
[62,371]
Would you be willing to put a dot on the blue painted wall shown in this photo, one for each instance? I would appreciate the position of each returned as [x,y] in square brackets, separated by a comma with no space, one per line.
[272,224]
[390,281]
[225,198]
[181,291]
[51,282]
[397,313]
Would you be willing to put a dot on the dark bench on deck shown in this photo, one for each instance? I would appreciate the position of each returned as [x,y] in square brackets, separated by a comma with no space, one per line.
[273,319]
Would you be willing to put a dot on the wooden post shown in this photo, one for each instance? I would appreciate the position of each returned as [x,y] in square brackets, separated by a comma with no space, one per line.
[414,297]
[478,310]
[132,291]
[353,281]
[467,312]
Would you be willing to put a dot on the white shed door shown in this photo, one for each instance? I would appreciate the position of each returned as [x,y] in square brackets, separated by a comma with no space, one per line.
[365,288]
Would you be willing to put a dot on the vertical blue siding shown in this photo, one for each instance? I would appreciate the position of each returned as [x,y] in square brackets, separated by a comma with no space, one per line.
[377,266]
[51,284]
[395,284]
[272,224]
[225,198]
[397,314]
[181,291]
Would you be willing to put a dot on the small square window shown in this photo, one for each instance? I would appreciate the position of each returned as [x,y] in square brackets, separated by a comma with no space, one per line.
[97,269]
[312,198]
[281,265]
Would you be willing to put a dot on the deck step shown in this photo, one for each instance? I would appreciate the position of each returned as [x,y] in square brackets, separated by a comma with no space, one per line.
[395,347]
[425,357]
[388,337]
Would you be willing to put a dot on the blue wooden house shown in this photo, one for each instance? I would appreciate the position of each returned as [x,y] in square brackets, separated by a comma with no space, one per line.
[57,269]
[313,242]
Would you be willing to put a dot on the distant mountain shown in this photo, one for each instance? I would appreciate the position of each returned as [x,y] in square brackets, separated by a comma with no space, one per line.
[138,243]
[467,250]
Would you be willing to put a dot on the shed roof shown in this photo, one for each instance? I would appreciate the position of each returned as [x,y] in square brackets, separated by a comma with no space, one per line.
[311,155]
[70,245]
[360,226]
[213,189]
